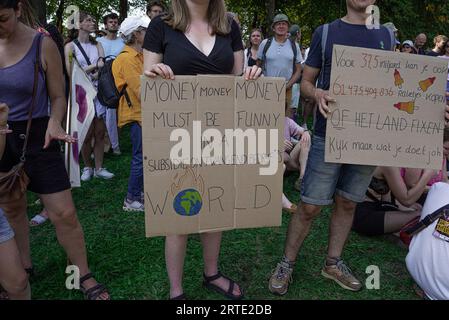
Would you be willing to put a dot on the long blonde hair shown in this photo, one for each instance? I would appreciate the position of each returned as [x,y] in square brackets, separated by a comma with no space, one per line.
[179,16]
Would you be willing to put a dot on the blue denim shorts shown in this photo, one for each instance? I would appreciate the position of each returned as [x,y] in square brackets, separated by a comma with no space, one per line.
[6,232]
[322,181]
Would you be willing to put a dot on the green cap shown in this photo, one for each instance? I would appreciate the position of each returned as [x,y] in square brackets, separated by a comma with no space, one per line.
[294,30]
[391,26]
[278,18]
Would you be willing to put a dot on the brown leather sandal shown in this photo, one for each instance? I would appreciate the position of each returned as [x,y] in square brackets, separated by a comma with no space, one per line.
[94,292]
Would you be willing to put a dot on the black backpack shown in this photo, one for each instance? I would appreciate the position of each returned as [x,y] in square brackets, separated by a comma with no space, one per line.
[107,94]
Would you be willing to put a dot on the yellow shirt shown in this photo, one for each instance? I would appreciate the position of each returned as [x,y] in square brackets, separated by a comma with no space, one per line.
[127,69]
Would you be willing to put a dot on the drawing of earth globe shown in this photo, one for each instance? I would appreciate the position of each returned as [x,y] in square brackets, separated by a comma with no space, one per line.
[188,203]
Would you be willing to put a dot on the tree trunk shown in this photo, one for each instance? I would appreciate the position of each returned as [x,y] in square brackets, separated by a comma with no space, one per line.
[271,7]
[123,9]
[59,15]
[40,8]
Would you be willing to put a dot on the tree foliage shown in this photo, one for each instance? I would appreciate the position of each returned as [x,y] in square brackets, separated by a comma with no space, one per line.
[410,16]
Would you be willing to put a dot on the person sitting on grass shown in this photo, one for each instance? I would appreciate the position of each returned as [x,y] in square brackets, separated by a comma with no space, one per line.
[395,197]
[297,146]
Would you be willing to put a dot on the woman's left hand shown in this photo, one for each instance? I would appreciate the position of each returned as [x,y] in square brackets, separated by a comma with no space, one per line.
[55,132]
[252,73]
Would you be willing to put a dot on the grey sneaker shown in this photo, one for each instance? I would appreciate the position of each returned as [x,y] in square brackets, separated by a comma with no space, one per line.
[341,274]
[103,174]
[87,174]
[133,206]
[116,151]
[280,279]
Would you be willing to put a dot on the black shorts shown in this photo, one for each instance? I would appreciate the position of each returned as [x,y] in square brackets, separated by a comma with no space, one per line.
[369,217]
[44,167]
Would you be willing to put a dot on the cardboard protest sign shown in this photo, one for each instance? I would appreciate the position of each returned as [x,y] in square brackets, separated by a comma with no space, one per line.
[200,173]
[389,109]
[80,117]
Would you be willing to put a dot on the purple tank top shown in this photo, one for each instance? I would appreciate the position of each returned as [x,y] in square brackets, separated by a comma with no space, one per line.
[16,87]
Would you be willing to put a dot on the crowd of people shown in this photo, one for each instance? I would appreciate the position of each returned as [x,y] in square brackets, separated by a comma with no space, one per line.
[34,81]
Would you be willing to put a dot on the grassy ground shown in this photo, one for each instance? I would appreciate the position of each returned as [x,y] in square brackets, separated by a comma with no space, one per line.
[133,267]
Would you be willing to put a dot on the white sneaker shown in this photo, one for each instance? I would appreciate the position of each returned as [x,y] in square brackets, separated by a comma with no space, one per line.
[116,151]
[133,206]
[103,174]
[87,174]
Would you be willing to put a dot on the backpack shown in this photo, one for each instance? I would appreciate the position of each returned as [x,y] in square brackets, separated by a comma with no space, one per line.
[107,94]
[267,46]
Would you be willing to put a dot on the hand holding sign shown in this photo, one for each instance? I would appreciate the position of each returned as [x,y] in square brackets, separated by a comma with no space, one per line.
[252,73]
[322,98]
[160,69]
[392,115]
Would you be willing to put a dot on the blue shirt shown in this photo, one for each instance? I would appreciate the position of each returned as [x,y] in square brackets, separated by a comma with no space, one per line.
[111,47]
[346,34]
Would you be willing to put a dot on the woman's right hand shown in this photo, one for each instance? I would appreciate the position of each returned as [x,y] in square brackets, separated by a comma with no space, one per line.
[322,98]
[160,69]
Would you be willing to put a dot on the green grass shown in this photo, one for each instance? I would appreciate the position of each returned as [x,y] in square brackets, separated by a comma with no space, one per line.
[133,266]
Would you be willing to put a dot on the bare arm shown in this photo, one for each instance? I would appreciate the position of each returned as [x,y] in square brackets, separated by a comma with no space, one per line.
[445,177]
[406,197]
[295,76]
[4,110]
[308,89]
[68,53]
[100,55]
[153,66]
[238,63]
[309,77]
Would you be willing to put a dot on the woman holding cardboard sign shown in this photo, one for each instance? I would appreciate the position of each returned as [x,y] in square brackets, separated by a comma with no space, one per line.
[210,43]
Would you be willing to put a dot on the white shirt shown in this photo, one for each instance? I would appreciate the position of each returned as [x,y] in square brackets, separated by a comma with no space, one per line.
[428,257]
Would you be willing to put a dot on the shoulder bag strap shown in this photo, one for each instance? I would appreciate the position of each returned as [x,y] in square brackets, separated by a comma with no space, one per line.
[33,99]
[323,53]
[78,44]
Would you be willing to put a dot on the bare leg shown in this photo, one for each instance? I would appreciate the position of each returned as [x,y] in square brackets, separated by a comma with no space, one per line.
[211,251]
[340,225]
[17,218]
[286,204]
[307,109]
[395,220]
[299,228]
[13,277]
[62,214]
[175,252]
[412,177]
[298,159]
[100,130]
[86,149]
